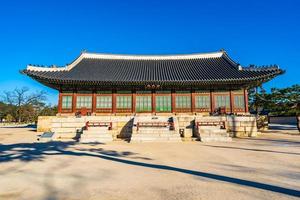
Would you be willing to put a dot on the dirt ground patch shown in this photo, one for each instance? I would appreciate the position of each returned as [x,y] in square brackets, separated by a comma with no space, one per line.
[266,167]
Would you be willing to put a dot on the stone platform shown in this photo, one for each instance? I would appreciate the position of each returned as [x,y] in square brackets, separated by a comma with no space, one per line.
[124,127]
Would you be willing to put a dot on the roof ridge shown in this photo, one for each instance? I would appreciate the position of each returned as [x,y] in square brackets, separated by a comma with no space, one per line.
[150,56]
[261,68]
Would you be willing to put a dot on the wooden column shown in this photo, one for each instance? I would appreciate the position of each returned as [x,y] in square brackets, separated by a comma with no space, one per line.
[173,110]
[212,101]
[133,101]
[114,101]
[193,100]
[153,101]
[231,101]
[246,100]
[74,97]
[94,102]
[59,105]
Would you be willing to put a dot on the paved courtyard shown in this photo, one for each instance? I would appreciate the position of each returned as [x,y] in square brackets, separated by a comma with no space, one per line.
[266,167]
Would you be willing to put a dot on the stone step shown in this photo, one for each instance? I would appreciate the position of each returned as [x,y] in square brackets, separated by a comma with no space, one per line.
[96,132]
[215,139]
[208,127]
[97,128]
[213,131]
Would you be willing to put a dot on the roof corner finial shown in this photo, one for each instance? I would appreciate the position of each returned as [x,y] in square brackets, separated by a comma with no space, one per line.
[222,50]
[84,51]
[239,66]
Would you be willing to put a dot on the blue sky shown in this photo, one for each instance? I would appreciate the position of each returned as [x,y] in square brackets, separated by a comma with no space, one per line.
[55,32]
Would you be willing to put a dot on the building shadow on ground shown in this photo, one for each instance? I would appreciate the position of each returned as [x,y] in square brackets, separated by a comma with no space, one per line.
[251,149]
[27,152]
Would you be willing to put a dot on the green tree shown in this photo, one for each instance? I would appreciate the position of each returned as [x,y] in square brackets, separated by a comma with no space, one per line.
[9,118]
[24,105]
[285,101]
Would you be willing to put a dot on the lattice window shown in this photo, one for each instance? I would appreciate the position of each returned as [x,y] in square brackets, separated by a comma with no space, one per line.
[202,101]
[104,102]
[143,104]
[183,102]
[222,101]
[66,102]
[163,103]
[84,102]
[124,102]
[239,101]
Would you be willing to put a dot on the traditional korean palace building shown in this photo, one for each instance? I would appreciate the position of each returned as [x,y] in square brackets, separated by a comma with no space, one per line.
[106,84]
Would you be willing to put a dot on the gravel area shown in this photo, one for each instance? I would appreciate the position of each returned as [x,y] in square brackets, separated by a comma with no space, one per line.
[266,167]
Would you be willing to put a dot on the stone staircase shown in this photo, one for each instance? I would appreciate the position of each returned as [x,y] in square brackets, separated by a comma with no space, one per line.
[213,134]
[155,129]
[153,135]
[96,134]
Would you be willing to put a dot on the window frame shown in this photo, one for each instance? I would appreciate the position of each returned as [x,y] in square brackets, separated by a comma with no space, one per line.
[84,95]
[183,109]
[103,109]
[123,110]
[149,97]
[222,94]
[67,109]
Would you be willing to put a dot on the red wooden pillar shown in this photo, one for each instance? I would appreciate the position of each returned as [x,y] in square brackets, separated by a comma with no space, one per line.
[193,100]
[133,101]
[173,101]
[153,101]
[114,101]
[94,101]
[231,101]
[246,100]
[212,101]
[74,98]
[59,106]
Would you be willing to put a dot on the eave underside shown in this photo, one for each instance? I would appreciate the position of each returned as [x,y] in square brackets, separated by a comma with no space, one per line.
[158,85]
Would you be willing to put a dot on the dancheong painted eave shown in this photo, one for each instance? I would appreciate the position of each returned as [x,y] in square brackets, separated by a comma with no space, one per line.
[214,69]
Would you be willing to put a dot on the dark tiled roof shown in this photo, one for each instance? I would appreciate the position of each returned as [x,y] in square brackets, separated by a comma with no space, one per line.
[192,70]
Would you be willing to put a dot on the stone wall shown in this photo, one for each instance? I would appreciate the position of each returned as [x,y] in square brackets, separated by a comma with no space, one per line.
[67,127]
[45,123]
[242,126]
[236,126]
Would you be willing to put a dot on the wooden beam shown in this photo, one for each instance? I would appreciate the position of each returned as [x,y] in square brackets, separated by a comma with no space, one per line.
[212,101]
[94,102]
[231,101]
[133,101]
[153,101]
[74,98]
[59,106]
[114,101]
[246,100]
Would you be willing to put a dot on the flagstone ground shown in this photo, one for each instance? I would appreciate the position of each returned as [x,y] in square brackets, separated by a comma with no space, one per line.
[266,167]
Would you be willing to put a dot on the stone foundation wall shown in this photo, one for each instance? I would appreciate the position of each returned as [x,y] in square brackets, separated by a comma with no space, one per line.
[44,123]
[67,127]
[242,126]
[236,126]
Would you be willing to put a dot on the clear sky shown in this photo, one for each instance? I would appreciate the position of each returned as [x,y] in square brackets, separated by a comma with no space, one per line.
[55,32]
